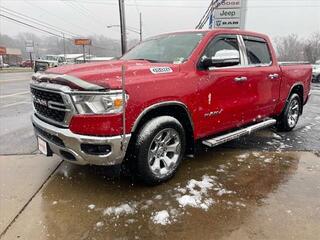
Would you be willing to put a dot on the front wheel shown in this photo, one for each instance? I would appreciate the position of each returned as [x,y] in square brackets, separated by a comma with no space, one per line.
[159,149]
[290,116]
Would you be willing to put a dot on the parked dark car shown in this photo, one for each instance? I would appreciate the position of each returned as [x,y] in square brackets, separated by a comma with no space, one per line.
[26,63]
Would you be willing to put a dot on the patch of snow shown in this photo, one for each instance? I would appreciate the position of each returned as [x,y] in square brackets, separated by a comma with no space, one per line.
[54,202]
[123,209]
[189,200]
[99,224]
[158,197]
[268,160]
[161,217]
[224,191]
[197,191]
[91,206]
[243,156]
[276,136]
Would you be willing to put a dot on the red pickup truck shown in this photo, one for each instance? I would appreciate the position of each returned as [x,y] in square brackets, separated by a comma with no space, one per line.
[152,105]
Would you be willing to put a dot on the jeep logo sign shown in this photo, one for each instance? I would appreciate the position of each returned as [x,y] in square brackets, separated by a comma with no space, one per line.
[226,13]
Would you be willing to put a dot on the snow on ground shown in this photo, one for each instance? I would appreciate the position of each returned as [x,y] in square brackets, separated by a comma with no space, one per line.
[99,224]
[123,209]
[195,194]
[161,217]
[91,206]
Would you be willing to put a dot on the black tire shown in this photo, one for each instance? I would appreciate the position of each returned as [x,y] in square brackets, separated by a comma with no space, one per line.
[317,79]
[146,140]
[284,123]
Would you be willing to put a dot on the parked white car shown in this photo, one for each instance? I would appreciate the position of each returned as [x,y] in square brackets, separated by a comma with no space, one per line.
[316,72]
[49,61]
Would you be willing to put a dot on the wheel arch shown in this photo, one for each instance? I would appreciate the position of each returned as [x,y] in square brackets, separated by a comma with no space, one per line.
[298,88]
[174,109]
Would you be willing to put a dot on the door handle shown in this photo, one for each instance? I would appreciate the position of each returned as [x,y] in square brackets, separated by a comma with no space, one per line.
[274,76]
[241,79]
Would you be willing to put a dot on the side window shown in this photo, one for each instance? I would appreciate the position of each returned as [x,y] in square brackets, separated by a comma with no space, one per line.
[222,47]
[257,51]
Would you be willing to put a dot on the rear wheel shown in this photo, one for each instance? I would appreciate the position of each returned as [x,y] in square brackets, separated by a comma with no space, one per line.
[159,149]
[290,116]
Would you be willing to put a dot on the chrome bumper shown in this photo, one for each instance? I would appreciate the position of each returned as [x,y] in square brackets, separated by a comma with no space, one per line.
[71,144]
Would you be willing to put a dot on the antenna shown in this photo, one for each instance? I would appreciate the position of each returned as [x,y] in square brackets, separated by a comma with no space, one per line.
[124,103]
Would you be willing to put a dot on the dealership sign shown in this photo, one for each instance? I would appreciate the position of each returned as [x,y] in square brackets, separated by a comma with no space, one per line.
[227,23]
[229,4]
[227,14]
[82,41]
[3,51]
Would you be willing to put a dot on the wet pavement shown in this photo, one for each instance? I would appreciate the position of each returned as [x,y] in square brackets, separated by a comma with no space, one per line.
[227,194]
[263,186]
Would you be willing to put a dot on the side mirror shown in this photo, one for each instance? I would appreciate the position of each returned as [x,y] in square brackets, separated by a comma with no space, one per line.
[222,58]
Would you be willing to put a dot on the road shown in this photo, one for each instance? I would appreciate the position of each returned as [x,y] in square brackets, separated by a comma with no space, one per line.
[263,186]
[15,112]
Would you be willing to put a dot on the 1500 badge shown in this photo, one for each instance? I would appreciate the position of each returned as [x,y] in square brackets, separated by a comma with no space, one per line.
[158,70]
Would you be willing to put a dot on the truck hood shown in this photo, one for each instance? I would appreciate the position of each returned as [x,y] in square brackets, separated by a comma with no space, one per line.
[107,75]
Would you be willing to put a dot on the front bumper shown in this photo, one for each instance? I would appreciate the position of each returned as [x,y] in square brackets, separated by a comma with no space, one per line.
[66,144]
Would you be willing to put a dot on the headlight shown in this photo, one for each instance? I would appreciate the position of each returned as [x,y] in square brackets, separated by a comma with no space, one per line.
[97,103]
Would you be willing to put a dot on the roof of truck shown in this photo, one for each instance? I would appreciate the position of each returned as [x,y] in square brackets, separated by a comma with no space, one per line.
[220,30]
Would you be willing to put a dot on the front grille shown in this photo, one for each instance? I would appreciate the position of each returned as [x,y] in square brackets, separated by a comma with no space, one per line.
[41,100]
[54,139]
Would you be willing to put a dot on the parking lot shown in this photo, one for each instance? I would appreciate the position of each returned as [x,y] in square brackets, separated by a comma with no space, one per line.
[263,186]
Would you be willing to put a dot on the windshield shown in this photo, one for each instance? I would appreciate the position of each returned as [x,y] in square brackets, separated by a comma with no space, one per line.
[173,48]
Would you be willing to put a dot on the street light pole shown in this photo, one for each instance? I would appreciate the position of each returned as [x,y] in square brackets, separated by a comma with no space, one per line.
[64,46]
[244,9]
[123,27]
[140,30]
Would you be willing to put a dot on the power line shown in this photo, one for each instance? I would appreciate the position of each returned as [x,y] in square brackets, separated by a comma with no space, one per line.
[36,21]
[60,18]
[29,25]
[43,30]
[83,11]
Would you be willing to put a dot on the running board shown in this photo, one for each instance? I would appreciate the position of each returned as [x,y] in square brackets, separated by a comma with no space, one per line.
[239,133]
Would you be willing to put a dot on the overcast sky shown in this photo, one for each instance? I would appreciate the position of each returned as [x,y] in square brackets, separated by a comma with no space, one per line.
[87,17]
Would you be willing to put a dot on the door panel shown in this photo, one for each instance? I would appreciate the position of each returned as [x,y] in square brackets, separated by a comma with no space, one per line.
[265,78]
[224,101]
[224,92]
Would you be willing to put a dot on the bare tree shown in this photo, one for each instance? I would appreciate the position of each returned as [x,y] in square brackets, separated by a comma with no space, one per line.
[312,48]
[293,48]
[290,48]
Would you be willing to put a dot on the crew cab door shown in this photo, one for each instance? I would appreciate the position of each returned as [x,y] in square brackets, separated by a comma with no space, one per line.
[264,77]
[223,92]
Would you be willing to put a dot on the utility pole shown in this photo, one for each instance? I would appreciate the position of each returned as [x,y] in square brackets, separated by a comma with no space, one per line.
[30,54]
[84,54]
[64,46]
[140,31]
[211,19]
[123,27]
[243,10]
